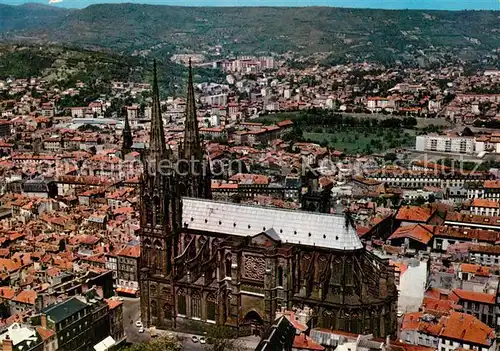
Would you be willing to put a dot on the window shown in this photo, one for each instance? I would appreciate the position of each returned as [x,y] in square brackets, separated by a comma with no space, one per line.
[280,276]
[154,309]
[211,308]
[181,303]
[228,265]
[158,211]
[196,306]
[167,310]
[348,272]
[433,144]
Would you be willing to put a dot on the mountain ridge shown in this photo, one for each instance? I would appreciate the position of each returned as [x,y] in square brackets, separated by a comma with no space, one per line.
[347,34]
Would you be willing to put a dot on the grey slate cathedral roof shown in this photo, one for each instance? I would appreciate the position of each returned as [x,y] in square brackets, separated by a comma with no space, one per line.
[304,228]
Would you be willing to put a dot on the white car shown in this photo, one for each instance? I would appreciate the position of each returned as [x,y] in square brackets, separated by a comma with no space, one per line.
[194,339]
[400,314]
[138,324]
[141,330]
[202,340]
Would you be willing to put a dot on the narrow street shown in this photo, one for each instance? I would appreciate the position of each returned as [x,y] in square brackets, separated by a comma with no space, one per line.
[132,313]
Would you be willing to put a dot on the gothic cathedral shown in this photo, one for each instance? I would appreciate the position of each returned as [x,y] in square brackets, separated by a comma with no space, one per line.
[213,263]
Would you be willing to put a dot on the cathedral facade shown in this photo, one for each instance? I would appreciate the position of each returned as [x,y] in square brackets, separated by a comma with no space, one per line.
[214,263]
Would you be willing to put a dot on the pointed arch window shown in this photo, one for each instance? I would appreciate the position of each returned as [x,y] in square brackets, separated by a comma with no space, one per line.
[228,265]
[187,239]
[181,302]
[337,271]
[280,276]
[211,304]
[348,272]
[196,305]
[167,311]
[154,309]
[158,211]
[152,290]
[146,254]
[148,208]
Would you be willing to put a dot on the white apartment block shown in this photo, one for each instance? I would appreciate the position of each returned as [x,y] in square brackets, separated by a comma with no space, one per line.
[215,100]
[444,143]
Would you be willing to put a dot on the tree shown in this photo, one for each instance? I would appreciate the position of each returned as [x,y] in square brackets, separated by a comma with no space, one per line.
[62,245]
[419,201]
[390,156]
[222,338]
[164,343]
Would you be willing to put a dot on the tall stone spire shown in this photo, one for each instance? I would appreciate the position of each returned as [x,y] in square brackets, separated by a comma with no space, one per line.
[192,143]
[127,137]
[157,146]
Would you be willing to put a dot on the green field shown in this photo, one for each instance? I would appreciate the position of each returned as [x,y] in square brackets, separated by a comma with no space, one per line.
[351,133]
[361,142]
[421,122]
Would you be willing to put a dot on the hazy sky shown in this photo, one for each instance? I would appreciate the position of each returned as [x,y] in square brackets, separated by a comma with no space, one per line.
[382,4]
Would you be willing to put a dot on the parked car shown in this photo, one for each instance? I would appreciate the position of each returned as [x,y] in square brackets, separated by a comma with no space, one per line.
[138,324]
[141,330]
[194,339]
[202,340]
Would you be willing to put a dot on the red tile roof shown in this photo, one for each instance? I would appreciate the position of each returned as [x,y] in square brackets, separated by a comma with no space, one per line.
[45,333]
[418,232]
[130,251]
[475,269]
[492,184]
[113,303]
[467,295]
[485,203]
[7,292]
[26,297]
[303,342]
[440,306]
[415,214]
[462,326]
[399,346]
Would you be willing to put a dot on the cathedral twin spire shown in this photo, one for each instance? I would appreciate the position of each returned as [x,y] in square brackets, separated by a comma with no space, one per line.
[127,138]
[157,146]
[191,148]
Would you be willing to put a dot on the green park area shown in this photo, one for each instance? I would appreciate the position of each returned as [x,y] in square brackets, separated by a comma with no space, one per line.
[350,134]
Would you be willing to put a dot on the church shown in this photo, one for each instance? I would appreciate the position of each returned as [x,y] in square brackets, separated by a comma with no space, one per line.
[207,263]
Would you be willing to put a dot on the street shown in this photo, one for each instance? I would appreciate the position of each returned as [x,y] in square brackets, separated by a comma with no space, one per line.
[132,314]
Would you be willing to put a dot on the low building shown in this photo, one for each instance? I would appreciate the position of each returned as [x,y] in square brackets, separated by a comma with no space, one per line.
[18,337]
[128,269]
[484,255]
[485,207]
[447,333]
[445,143]
[478,304]
[117,331]
[79,322]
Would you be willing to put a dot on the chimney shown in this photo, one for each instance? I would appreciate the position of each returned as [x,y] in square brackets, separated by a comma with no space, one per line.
[7,344]
[43,319]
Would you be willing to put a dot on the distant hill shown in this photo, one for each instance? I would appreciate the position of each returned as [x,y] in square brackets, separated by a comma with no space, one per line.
[348,34]
[65,66]
[30,15]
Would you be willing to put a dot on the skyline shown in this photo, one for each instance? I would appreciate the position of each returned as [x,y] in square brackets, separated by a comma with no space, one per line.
[368,4]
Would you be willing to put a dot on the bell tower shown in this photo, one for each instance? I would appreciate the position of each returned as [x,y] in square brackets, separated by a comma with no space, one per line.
[127,138]
[155,199]
[195,168]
